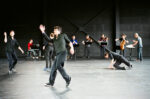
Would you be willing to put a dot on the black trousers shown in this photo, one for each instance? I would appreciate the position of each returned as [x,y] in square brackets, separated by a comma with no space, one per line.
[87,51]
[58,65]
[121,60]
[12,59]
[48,55]
[102,51]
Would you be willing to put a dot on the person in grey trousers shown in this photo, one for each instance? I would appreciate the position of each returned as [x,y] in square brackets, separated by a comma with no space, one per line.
[139,44]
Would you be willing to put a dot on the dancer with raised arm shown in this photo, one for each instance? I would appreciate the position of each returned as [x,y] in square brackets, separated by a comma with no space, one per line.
[11,44]
[59,40]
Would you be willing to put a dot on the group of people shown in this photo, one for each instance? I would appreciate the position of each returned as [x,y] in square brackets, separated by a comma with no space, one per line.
[58,42]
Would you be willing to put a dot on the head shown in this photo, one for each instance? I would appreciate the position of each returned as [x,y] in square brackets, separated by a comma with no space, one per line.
[87,36]
[51,35]
[73,37]
[136,35]
[12,33]
[106,55]
[123,36]
[103,36]
[31,41]
[57,30]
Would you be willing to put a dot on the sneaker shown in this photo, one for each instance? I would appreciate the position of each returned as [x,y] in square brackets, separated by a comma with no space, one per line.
[130,66]
[45,69]
[14,70]
[48,85]
[48,69]
[9,72]
[67,84]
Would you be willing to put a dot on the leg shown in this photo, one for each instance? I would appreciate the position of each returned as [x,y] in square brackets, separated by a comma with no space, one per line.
[116,65]
[14,56]
[47,54]
[138,52]
[88,52]
[10,60]
[60,62]
[125,61]
[141,56]
[53,74]
[51,55]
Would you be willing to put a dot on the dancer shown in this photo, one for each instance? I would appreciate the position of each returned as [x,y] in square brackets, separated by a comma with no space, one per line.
[11,44]
[139,44]
[117,60]
[49,49]
[60,47]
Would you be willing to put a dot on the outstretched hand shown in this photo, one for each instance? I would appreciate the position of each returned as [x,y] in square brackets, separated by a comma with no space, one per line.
[42,28]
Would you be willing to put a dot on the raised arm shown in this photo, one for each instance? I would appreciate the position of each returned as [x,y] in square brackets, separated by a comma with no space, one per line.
[42,29]
[5,37]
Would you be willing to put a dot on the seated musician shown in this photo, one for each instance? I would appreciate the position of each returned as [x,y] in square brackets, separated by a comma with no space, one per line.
[123,42]
[116,60]
[87,44]
[103,43]
[30,44]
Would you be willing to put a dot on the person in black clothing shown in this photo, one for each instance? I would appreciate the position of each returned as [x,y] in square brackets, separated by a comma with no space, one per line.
[87,44]
[60,40]
[49,49]
[11,44]
[117,60]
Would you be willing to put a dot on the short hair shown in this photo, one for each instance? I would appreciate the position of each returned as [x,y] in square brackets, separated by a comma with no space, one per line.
[58,27]
[106,54]
[136,34]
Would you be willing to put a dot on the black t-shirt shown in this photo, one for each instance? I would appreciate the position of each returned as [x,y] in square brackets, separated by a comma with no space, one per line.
[11,44]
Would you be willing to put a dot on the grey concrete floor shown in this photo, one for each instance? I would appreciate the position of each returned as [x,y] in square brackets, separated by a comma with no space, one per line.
[90,80]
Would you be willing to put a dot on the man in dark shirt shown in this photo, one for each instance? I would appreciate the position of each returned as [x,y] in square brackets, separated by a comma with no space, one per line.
[87,48]
[49,49]
[11,44]
[59,41]
[117,60]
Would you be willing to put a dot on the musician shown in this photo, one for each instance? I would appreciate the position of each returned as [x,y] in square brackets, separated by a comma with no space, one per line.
[139,44]
[116,60]
[49,49]
[73,40]
[103,39]
[123,42]
[87,44]
[30,45]
[75,44]
[60,41]
[11,44]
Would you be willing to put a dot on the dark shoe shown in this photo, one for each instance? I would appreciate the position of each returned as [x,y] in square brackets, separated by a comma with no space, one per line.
[130,66]
[67,84]
[48,85]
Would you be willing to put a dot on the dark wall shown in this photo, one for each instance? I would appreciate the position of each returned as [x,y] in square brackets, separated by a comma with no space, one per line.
[94,18]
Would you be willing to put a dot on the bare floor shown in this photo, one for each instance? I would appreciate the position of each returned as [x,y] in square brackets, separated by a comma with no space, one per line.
[90,80]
